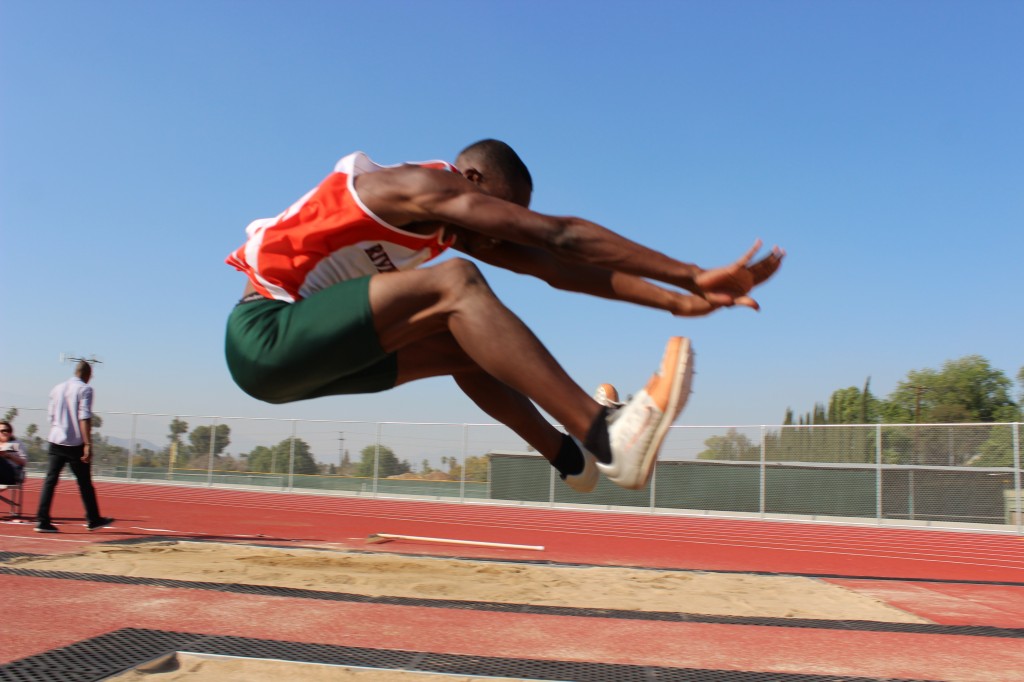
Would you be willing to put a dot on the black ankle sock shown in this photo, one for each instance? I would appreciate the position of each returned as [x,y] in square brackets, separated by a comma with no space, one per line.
[569,461]
[597,438]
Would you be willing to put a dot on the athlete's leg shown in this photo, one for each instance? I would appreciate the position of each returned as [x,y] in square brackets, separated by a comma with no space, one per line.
[454,297]
[441,355]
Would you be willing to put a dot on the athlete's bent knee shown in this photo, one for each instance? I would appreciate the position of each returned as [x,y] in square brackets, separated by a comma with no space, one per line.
[462,277]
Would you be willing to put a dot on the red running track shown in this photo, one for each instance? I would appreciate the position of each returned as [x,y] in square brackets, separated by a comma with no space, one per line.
[950,578]
[568,535]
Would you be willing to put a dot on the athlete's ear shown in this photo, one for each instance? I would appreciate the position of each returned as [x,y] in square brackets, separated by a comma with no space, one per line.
[473,175]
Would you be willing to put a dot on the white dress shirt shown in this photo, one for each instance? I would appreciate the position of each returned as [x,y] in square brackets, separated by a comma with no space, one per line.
[70,402]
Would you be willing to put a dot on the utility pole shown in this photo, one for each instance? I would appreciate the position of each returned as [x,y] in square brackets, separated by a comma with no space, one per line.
[341,450]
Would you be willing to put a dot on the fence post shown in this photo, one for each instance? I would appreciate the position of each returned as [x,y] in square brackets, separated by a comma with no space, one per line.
[654,483]
[465,453]
[376,461]
[551,487]
[291,458]
[1016,477]
[131,448]
[878,473]
[910,494]
[213,440]
[762,503]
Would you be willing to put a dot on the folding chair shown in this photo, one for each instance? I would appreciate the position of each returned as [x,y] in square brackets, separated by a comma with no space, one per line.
[11,495]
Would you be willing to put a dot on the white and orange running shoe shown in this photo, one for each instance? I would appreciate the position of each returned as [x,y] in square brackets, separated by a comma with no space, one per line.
[637,429]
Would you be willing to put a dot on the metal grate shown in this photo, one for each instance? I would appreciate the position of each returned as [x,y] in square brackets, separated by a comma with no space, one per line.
[96,658]
[7,556]
[113,653]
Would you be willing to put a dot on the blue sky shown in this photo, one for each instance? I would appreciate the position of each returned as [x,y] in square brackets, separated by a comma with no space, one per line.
[880,143]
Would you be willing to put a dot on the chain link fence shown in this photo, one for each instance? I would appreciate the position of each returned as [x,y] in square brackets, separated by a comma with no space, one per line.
[959,475]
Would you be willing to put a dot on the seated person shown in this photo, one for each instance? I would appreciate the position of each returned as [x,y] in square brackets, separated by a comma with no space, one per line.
[12,456]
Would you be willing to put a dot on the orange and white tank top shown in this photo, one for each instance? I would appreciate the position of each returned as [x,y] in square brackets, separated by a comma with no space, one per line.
[329,236]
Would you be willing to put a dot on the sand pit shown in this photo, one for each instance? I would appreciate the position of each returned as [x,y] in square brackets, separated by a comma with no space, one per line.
[384,574]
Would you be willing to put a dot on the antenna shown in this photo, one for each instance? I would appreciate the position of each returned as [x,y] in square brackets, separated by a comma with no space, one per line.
[66,358]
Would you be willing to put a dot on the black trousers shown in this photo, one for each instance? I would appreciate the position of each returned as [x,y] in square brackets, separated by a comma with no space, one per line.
[8,473]
[70,455]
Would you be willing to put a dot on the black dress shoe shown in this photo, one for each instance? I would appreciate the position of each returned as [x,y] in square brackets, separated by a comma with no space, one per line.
[101,522]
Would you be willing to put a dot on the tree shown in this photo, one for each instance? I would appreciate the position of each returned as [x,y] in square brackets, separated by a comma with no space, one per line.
[477,469]
[200,439]
[144,457]
[178,428]
[997,451]
[276,460]
[965,390]
[104,452]
[305,463]
[867,402]
[852,406]
[11,414]
[388,465]
[968,389]
[262,459]
[732,446]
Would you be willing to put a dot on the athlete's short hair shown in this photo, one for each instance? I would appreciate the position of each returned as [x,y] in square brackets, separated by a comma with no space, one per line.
[501,157]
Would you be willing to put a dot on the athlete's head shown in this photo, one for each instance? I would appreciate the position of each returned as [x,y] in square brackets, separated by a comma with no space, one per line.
[497,170]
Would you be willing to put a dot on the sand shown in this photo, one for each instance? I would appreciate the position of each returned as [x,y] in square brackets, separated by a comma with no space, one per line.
[379,574]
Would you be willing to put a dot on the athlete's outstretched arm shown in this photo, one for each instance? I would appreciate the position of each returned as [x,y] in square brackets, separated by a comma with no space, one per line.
[596,281]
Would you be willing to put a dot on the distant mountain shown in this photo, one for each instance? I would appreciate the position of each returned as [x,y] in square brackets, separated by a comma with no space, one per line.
[139,443]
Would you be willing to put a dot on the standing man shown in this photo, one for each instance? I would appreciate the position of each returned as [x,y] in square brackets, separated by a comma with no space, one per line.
[336,303]
[70,410]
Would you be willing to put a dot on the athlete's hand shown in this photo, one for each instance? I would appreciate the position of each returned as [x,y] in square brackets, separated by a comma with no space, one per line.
[729,285]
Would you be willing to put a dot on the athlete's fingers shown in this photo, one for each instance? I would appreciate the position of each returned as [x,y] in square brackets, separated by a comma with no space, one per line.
[719,300]
[742,262]
[766,267]
[748,302]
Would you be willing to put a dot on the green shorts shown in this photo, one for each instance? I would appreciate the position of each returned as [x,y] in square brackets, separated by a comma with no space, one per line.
[322,345]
